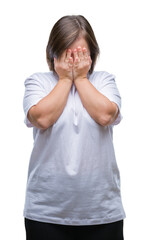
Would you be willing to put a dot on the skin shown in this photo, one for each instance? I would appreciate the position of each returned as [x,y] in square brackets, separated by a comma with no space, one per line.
[72,67]
[75,62]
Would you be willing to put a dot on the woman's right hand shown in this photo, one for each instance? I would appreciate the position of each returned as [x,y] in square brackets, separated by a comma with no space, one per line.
[64,66]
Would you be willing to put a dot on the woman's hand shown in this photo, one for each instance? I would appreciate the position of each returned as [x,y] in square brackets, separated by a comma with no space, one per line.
[81,63]
[73,68]
[64,66]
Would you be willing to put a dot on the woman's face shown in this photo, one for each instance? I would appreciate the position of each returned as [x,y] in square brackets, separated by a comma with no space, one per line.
[79,42]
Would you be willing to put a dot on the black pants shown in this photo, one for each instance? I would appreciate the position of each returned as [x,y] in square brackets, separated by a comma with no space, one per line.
[48,231]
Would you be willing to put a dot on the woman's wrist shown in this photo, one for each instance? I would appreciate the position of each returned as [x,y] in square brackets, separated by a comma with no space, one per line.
[80,78]
[67,80]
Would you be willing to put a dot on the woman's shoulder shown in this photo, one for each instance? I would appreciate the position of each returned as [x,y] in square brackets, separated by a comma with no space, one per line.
[99,78]
[43,75]
[100,74]
[41,78]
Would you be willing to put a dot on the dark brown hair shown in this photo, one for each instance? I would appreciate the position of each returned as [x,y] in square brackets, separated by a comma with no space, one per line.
[64,32]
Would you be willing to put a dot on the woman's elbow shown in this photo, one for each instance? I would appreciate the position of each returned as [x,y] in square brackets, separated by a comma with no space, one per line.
[37,120]
[108,118]
[43,123]
[105,120]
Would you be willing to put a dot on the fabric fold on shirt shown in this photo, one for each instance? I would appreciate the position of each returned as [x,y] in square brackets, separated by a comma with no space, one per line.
[73,176]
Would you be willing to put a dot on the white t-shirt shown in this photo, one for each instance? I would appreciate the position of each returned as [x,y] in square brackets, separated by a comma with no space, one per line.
[73,177]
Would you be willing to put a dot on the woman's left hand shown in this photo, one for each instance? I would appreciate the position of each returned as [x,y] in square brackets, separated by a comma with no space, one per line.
[82,63]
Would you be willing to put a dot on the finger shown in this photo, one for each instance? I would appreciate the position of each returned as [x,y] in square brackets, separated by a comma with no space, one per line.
[75,54]
[85,53]
[70,61]
[76,61]
[80,53]
[68,55]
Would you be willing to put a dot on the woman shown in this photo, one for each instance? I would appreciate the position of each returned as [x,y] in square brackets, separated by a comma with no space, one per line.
[73,187]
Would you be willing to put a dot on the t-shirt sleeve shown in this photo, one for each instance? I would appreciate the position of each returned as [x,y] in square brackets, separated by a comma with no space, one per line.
[34,92]
[109,89]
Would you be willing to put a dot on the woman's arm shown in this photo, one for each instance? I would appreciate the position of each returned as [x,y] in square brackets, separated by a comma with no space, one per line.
[48,109]
[100,108]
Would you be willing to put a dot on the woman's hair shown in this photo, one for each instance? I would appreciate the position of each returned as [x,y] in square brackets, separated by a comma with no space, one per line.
[64,32]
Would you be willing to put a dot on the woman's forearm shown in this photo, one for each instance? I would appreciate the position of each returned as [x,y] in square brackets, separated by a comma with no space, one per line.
[100,108]
[48,110]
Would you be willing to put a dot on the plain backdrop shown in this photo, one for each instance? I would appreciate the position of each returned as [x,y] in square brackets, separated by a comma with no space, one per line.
[121,29]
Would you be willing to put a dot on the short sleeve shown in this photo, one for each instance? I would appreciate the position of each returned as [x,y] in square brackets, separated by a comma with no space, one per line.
[109,89]
[34,92]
